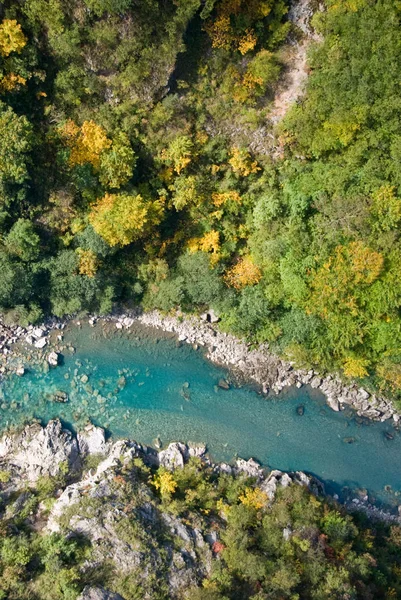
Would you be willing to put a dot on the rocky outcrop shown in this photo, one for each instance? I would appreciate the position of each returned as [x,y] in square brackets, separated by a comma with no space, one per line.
[97,593]
[39,451]
[92,440]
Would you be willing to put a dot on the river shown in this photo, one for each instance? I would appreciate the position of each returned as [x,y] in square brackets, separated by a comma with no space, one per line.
[143,384]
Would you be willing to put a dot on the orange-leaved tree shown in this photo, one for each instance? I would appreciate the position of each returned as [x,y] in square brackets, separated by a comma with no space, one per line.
[243,273]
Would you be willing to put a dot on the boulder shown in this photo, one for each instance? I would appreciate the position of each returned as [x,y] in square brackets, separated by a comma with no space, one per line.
[210,316]
[333,403]
[197,450]
[98,593]
[174,456]
[38,332]
[20,371]
[40,343]
[250,467]
[316,382]
[52,359]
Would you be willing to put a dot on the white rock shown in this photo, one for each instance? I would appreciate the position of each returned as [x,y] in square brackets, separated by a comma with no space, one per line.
[52,359]
[20,371]
[40,343]
[333,403]
[174,456]
[119,325]
[38,332]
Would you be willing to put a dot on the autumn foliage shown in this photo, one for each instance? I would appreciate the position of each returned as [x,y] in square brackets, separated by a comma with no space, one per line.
[119,218]
[12,38]
[86,142]
[243,273]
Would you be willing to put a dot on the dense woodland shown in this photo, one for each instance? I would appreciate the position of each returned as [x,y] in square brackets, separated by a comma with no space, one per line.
[129,170]
[299,548]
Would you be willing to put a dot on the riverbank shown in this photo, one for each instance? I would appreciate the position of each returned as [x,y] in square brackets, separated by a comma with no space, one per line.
[265,368]
[37,452]
[258,365]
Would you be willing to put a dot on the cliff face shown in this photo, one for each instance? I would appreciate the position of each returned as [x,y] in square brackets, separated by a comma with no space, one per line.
[102,494]
[101,520]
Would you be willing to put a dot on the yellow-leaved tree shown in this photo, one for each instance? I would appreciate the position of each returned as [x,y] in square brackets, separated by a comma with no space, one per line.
[11,82]
[164,482]
[88,262]
[241,162]
[119,218]
[11,37]
[209,242]
[254,498]
[86,142]
[243,273]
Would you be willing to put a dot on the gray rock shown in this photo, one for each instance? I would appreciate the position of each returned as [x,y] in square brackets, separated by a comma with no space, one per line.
[174,456]
[92,440]
[250,467]
[197,450]
[316,382]
[98,593]
[38,451]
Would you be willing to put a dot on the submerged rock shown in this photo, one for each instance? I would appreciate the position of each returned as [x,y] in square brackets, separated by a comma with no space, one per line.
[300,410]
[349,440]
[60,396]
[223,384]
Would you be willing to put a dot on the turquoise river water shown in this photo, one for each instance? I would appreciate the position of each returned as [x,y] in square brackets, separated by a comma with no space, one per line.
[142,384]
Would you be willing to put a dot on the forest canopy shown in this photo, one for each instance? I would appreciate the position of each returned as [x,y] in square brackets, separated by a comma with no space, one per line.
[138,163]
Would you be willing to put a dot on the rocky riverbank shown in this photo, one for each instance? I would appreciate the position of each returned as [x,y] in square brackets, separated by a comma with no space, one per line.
[50,451]
[263,367]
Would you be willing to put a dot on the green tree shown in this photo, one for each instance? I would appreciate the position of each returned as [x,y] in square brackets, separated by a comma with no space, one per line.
[23,241]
